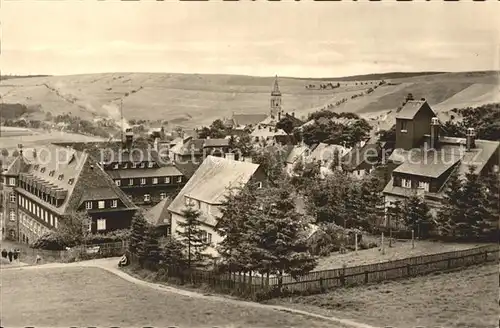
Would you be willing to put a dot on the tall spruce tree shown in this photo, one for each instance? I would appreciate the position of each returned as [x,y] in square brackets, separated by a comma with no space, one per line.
[137,242]
[476,211]
[152,250]
[450,216]
[192,237]
[278,235]
[238,209]
[492,182]
[417,216]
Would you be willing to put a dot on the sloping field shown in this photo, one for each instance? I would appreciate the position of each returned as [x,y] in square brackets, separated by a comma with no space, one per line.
[193,99]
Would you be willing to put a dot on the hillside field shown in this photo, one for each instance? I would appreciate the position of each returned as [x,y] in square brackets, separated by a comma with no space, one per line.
[191,100]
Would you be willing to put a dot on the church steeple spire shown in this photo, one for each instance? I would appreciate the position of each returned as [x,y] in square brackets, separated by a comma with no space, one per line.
[276,90]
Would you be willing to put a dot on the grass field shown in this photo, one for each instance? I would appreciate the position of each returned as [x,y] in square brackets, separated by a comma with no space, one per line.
[195,99]
[399,250]
[460,299]
[87,297]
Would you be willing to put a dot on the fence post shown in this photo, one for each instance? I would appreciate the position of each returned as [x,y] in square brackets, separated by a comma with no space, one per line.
[408,270]
[366,277]
[321,284]
[449,263]
[485,256]
[342,276]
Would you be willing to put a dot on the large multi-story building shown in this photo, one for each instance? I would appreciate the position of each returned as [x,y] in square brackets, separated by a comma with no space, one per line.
[57,182]
[424,159]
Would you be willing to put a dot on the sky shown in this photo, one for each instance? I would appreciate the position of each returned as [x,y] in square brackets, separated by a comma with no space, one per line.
[288,38]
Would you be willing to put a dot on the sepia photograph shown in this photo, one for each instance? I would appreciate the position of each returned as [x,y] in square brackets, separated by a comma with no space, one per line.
[249,164]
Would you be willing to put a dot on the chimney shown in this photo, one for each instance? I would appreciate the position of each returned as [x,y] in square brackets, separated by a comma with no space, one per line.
[470,138]
[129,138]
[293,114]
[34,153]
[20,146]
[434,133]
[230,156]
[270,129]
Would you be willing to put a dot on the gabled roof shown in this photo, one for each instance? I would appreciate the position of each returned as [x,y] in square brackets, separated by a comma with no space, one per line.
[265,132]
[212,181]
[99,193]
[187,168]
[18,165]
[358,155]
[283,151]
[216,142]
[411,108]
[428,163]
[297,152]
[159,214]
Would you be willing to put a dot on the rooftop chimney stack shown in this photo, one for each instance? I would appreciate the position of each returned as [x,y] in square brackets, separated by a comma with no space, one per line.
[34,153]
[470,138]
[129,138]
[20,146]
[434,133]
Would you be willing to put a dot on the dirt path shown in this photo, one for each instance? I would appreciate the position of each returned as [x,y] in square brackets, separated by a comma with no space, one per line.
[110,265]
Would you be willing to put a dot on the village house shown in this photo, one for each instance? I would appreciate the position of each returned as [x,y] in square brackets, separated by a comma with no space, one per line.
[195,150]
[266,135]
[363,158]
[206,191]
[328,157]
[57,182]
[159,217]
[424,159]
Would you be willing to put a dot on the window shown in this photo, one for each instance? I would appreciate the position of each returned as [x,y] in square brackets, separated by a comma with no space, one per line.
[101,224]
[70,181]
[89,226]
[143,165]
[404,125]
[150,164]
[130,182]
[125,166]
[42,170]
[155,180]
[163,195]
[115,166]
[259,185]
[143,181]
[134,165]
[45,215]
[38,211]
[51,217]
[12,215]
[206,237]
[147,197]
[88,205]
[12,181]
[179,179]
[187,201]
[36,167]
[12,197]
[167,179]
[51,173]
[60,177]
[101,204]
[406,183]
[56,223]
[424,185]
[114,203]
[118,182]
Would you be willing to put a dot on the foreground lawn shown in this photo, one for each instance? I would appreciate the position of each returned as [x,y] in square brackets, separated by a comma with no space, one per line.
[93,297]
[467,298]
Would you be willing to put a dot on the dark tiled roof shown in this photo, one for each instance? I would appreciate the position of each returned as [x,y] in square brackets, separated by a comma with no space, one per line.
[99,194]
[428,163]
[187,168]
[164,171]
[18,165]
[216,143]
[159,214]
[282,151]
[411,108]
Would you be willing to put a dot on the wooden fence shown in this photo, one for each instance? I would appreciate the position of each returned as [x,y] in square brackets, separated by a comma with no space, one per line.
[259,287]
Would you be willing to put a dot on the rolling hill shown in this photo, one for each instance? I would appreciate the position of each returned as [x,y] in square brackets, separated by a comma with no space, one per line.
[197,99]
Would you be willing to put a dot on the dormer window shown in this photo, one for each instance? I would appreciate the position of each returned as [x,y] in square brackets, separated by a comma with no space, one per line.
[167,179]
[51,173]
[118,182]
[125,166]
[70,181]
[155,180]
[36,167]
[115,166]
[60,177]
[143,181]
[114,203]
[88,205]
[179,179]
[406,183]
[150,164]
[134,165]
[42,170]
[143,165]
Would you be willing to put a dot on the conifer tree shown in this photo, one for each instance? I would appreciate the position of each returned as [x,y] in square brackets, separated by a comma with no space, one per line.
[152,251]
[192,237]
[451,214]
[238,209]
[136,245]
[278,235]
[492,183]
[172,253]
[394,214]
[417,216]
[476,209]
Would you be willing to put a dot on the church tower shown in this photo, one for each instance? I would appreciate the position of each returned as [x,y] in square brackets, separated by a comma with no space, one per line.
[275,109]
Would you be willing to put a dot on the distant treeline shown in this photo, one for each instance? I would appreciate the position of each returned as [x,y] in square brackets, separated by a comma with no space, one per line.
[380,76]
[9,77]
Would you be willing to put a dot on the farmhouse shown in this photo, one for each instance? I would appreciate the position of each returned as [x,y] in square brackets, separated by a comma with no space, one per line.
[207,189]
[424,159]
[57,182]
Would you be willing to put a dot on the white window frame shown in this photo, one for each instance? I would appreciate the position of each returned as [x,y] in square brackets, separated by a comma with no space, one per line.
[179,179]
[125,165]
[259,185]
[12,215]
[134,165]
[147,197]
[115,166]
[163,195]
[12,197]
[130,182]
[143,181]
[167,179]
[12,181]
[143,165]
[406,183]
[155,180]
[51,218]
[56,222]
[424,185]
[114,203]
[101,224]
[118,183]
[101,204]
[150,164]
[88,205]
